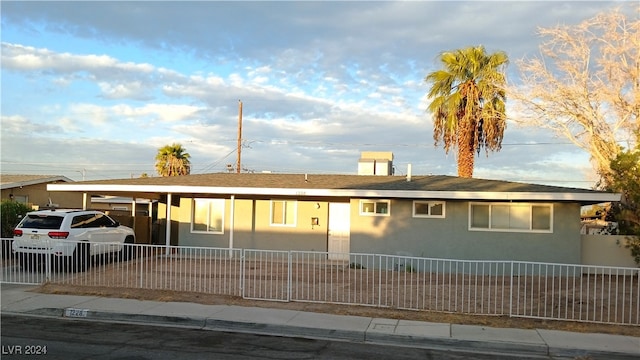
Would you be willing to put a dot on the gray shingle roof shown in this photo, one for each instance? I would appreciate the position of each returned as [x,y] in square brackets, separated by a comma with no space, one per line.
[8,181]
[333,182]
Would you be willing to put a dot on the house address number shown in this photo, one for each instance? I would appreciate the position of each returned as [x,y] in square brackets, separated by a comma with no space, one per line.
[77,313]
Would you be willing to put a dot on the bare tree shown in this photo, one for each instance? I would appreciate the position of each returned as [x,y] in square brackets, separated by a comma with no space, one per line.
[586,85]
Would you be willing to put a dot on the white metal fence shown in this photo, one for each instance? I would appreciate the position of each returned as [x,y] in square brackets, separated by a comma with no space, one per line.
[508,288]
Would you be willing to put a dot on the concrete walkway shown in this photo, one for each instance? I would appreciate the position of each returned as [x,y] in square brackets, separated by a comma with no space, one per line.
[548,344]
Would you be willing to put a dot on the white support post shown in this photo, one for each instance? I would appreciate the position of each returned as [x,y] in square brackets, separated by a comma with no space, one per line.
[168,227]
[84,201]
[133,213]
[150,221]
[231,225]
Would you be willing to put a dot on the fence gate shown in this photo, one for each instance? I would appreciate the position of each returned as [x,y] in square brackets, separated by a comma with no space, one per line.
[266,275]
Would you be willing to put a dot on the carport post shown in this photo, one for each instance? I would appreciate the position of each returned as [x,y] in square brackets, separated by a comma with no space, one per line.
[168,227]
[84,201]
[150,221]
[133,212]
[231,221]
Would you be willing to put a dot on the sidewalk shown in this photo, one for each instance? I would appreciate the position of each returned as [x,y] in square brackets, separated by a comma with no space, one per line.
[17,299]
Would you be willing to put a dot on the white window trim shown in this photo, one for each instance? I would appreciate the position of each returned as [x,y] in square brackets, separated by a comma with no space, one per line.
[193,214]
[429,203]
[295,213]
[530,230]
[375,201]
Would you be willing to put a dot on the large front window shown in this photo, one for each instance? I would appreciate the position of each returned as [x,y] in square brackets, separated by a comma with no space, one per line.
[516,217]
[283,213]
[208,216]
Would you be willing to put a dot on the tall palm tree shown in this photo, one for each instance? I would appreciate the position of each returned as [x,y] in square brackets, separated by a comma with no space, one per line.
[173,160]
[468,103]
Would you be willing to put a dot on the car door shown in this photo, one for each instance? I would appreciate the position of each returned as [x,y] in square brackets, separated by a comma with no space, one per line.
[93,229]
[111,236]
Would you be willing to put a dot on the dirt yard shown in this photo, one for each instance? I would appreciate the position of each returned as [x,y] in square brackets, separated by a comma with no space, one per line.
[483,320]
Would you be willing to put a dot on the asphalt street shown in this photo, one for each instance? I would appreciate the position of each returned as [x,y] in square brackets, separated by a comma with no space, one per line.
[29,337]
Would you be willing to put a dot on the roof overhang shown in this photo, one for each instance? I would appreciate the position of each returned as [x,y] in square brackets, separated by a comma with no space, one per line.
[581,197]
[16,184]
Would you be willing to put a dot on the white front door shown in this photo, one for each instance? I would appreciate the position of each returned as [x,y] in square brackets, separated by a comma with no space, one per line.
[339,231]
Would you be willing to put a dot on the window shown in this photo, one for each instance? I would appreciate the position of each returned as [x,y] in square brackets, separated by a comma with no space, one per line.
[430,209]
[24,199]
[283,213]
[375,207]
[42,222]
[515,217]
[93,220]
[208,216]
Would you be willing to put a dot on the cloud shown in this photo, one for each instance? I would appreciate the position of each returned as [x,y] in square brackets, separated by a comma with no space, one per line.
[17,124]
[319,81]
[20,57]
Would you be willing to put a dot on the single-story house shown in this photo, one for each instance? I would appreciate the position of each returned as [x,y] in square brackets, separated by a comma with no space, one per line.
[31,190]
[425,216]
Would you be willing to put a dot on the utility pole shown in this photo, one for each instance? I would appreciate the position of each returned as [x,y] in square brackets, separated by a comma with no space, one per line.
[238,165]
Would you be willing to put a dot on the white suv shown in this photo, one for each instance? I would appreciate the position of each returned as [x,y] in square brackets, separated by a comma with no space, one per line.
[69,237]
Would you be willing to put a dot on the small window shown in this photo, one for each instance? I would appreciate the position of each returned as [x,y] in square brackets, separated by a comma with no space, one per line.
[208,216]
[24,199]
[428,209]
[375,207]
[283,213]
[514,217]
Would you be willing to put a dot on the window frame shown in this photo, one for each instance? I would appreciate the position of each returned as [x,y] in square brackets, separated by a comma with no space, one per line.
[531,221]
[210,201]
[284,214]
[429,203]
[375,207]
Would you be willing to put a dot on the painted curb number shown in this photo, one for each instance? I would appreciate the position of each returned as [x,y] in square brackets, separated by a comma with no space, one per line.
[78,313]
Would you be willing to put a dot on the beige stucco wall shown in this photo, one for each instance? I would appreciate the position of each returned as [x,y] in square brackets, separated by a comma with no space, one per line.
[606,250]
[38,195]
[397,234]
[449,237]
[252,228]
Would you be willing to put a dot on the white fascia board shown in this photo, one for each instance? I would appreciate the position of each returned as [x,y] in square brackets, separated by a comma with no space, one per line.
[356,193]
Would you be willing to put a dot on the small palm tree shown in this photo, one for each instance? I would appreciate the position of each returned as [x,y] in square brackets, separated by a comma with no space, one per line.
[468,105]
[173,160]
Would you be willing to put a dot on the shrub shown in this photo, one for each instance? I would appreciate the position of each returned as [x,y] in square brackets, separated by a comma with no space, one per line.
[11,212]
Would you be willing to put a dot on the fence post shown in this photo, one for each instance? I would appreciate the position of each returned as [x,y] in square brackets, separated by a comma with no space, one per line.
[242,259]
[379,280]
[140,263]
[47,263]
[289,276]
[511,292]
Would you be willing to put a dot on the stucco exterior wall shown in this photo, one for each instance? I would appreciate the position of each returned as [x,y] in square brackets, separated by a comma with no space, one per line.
[450,237]
[254,231]
[397,234]
[606,250]
[37,195]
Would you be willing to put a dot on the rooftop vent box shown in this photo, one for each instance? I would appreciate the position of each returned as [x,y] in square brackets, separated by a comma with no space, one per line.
[375,163]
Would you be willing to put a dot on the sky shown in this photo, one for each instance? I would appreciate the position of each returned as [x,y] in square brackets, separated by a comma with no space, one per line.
[91,90]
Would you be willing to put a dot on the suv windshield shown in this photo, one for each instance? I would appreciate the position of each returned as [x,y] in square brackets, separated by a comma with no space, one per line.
[42,222]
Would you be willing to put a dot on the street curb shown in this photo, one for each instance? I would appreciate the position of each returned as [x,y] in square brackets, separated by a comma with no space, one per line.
[561,353]
[312,333]
[436,343]
[180,321]
[285,330]
[470,346]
